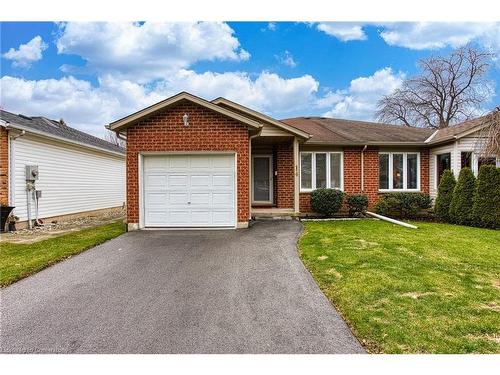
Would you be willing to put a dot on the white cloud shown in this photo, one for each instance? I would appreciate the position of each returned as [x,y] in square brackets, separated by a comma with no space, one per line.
[359,101]
[271,26]
[26,53]
[435,35]
[286,59]
[344,31]
[90,108]
[148,51]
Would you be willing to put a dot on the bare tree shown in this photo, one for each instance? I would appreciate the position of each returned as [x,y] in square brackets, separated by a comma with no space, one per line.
[489,139]
[448,90]
[111,137]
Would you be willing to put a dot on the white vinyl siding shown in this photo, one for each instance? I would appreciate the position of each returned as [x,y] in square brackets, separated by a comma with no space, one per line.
[321,169]
[398,176]
[465,144]
[72,179]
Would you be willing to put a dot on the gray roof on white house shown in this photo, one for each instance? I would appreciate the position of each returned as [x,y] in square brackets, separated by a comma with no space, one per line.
[57,129]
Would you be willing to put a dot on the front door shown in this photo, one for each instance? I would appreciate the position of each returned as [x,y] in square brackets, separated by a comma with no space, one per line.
[262,179]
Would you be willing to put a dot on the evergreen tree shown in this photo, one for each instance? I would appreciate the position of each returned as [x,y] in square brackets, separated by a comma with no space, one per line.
[486,201]
[445,193]
[461,202]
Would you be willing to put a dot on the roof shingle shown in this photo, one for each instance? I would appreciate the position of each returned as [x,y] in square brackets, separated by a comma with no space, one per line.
[348,132]
[55,128]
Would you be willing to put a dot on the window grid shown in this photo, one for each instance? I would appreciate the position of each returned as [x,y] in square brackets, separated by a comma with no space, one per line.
[328,174]
[405,170]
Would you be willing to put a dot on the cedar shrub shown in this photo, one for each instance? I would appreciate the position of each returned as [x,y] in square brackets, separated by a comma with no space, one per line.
[461,201]
[444,196]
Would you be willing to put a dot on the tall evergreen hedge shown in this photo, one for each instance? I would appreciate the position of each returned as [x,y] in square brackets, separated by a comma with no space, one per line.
[461,201]
[486,201]
[445,194]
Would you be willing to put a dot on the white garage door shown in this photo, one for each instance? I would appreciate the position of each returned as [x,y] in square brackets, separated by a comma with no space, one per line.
[189,191]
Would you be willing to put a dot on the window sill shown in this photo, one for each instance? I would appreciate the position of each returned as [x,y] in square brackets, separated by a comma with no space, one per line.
[399,191]
[311,190]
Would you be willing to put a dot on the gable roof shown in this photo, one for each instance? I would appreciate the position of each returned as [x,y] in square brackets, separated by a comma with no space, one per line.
[57,130]
[133,118]
[460,130]
[260,117]
[348,132]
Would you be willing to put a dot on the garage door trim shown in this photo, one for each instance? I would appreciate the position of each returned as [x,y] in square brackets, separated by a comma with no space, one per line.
[141,157]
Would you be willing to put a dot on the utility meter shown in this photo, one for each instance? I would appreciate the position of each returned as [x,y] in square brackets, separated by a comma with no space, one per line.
[31,172]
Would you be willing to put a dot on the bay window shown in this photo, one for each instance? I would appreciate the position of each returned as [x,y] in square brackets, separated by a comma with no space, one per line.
[321,170]
[399,171]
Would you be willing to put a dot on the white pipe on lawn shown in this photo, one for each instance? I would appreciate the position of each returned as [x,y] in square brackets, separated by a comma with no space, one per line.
[391,220]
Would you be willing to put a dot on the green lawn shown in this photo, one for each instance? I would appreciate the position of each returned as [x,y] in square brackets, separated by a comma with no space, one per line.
[435,289]
[21,260]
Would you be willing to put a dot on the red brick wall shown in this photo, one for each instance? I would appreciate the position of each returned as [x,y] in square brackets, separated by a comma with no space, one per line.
[352,172]
[207,131]
[285,176]
[352,175]
[305,202]
[424,171]
[371,175]
[4,166]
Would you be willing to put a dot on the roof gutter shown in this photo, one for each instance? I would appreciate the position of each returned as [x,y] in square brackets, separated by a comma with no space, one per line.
[62,139]
[324,143]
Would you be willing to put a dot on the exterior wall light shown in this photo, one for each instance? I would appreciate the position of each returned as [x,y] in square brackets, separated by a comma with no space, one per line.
[185,118]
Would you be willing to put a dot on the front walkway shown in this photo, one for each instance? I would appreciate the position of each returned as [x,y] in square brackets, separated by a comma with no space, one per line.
[243,291]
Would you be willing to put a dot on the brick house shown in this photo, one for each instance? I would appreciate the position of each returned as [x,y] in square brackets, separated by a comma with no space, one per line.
[198,163]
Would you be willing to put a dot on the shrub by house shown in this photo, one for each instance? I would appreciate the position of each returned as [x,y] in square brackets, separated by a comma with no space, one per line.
[461,202]
[403,205]
[486,200]
[326,201]
[357,204]
[445,194]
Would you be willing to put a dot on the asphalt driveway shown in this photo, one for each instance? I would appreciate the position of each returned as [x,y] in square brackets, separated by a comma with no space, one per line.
[243,291]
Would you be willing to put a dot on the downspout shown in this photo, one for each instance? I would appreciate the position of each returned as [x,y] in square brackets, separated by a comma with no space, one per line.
[363,168]
[119,136]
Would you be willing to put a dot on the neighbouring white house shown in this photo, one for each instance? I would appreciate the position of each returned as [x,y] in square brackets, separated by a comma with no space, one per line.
[73,172]
[457,147]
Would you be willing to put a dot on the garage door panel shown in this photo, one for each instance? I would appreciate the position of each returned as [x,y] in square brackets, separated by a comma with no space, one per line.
[178,198]
[222,217]
[177,180]
[200,199]
[156,199]
[200,161]
[221,161]
[178,161]
[226,199]
[190,191]
[200,181]
[156,181]
[156,218]
[155,162]
[202,218]
[179,217]
[219,181]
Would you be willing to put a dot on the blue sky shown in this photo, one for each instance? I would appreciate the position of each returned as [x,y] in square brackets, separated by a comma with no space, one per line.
[91,74]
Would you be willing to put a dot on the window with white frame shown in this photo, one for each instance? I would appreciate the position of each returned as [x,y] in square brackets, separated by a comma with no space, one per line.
[321,170]
[399,171]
